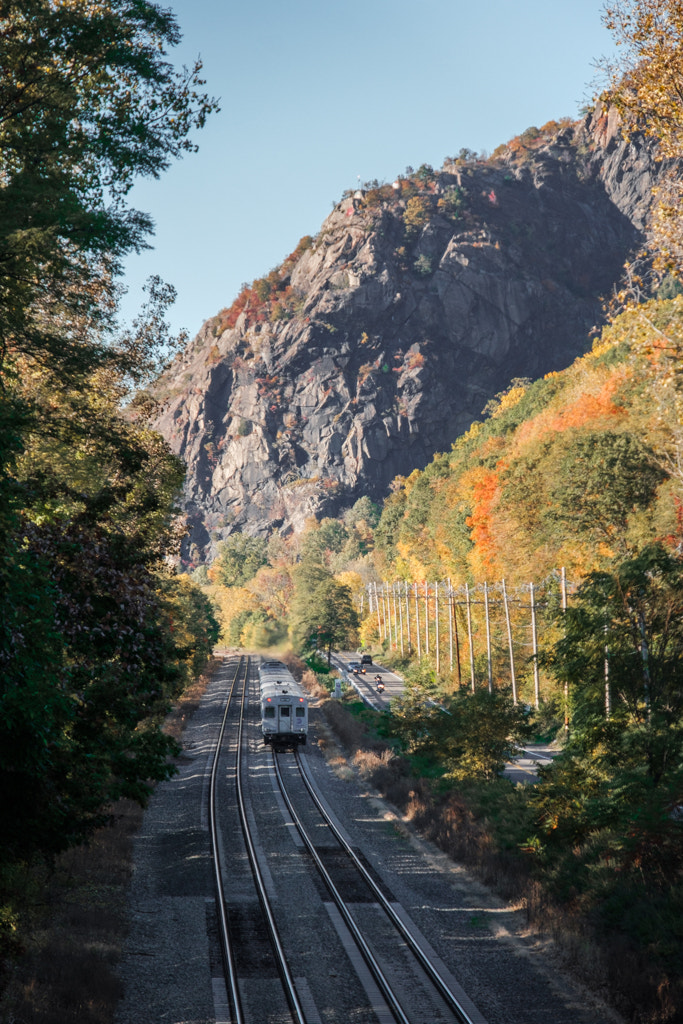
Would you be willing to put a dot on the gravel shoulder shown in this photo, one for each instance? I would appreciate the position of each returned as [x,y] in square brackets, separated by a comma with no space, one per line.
[170,960]
[511,976]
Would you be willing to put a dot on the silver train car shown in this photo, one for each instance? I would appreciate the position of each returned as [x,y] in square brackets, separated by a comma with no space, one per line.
[284,706]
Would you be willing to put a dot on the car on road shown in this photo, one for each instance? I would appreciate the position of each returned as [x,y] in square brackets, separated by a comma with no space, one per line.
[366,659]
[354,666]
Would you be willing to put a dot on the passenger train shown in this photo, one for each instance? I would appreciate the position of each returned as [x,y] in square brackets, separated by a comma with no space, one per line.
[284,706]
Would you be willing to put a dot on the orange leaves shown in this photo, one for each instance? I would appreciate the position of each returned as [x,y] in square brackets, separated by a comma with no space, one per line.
[267,298]
[485,491]
[592,405]
[414,361]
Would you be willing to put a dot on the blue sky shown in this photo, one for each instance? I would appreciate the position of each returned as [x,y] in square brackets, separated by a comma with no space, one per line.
[316,93]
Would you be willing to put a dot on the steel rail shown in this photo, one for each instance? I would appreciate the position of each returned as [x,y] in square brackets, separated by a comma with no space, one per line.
[229,968]
[405,932]
[283,967]
[368,955]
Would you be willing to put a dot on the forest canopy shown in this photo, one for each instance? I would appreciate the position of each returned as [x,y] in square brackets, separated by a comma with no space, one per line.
[97,634]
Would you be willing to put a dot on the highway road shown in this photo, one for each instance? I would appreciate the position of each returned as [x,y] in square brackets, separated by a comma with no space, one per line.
[523,769]
[365,684]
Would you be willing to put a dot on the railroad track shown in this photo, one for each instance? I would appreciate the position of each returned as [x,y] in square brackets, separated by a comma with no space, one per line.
[441,1004]
[231,916]
[296,893]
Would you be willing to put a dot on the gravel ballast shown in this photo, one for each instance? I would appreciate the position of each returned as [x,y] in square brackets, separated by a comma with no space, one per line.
[170,968]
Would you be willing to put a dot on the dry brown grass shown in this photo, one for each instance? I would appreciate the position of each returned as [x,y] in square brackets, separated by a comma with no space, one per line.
[297,667]
[74,917]
[186,706]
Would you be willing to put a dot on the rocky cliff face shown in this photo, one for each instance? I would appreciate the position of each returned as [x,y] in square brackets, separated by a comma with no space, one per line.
[378,342]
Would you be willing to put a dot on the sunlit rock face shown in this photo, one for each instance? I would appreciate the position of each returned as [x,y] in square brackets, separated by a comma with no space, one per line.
[414,305]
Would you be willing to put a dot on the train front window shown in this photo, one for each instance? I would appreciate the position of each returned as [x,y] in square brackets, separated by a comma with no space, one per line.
[284,712]
[269,713]
[300,712]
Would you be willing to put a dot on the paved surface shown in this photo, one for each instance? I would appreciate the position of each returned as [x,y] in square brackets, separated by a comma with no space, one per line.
[523,769]
[364,683]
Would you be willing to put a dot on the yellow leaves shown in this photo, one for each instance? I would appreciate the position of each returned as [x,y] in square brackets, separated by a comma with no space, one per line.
[508,400]
[470,435]
[416,215]
[646,88]
[409,482]
[600,346]
[352,580]
[368,633]
[230,601]
[410,564]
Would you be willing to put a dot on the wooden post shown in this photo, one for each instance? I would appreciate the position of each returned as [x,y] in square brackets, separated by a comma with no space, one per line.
[608,695]
[455,634]
[393,598]
[410,643]
[426,617]
[534,647]
[436,627]
[563,590]
[388,604]
[489,669]
[469,632]
[400,616]
[513,679]
[379,623]
[450,627]
[417,623]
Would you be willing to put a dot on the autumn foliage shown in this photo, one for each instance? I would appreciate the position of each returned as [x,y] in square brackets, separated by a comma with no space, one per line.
[267,298]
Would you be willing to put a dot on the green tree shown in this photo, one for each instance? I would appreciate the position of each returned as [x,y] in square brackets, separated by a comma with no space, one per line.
[601,479]
[388,529]
[238,560]
[324,540]
[633,617]
[90,649]
[472,735]
[610,796]
[322,615]
[88,102]
[363,511]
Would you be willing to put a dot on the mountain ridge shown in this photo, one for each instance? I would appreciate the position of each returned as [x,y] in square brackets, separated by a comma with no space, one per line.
[378,342]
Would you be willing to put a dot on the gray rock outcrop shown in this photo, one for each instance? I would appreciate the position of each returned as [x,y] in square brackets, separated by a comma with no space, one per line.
[382,339]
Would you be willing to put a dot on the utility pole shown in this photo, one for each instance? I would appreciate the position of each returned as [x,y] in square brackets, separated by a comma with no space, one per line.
[489,670]
[534,647]
[469,632]
[513,679]
[417,623]
[436,627]
[563,592]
